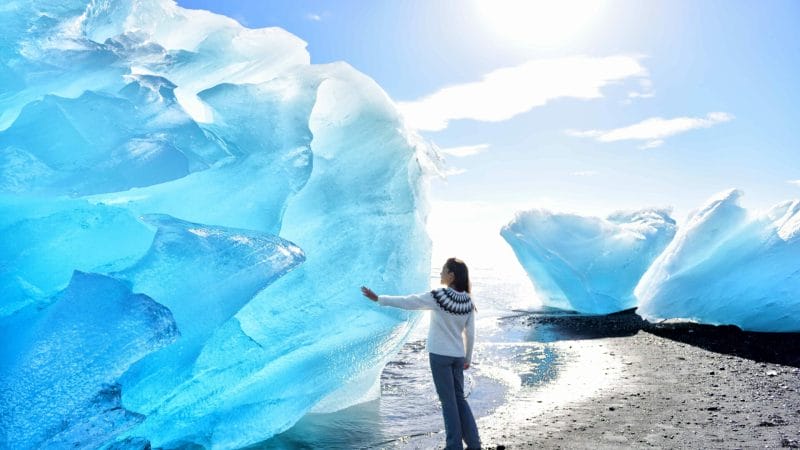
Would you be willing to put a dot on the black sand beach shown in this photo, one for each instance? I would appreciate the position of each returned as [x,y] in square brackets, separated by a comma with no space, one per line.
[640,385]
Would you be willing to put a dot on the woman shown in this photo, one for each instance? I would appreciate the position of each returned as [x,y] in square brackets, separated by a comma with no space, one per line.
[452,323]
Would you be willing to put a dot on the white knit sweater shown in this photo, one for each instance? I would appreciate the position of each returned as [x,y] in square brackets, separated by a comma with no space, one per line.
[452,329]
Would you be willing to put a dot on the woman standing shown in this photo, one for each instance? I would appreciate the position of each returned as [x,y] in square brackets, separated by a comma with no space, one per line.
[450,340]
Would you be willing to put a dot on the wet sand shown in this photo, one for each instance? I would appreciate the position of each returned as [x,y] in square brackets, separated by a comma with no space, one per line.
[666,386]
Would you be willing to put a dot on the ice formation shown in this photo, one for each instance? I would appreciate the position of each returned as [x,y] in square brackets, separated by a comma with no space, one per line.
[59,363]
[188,208]
[728,266]
[588,264]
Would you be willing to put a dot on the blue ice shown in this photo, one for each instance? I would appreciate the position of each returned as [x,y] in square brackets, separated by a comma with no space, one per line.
[731,266]
[157,162]
[724,266]
[60,361]
[588,264]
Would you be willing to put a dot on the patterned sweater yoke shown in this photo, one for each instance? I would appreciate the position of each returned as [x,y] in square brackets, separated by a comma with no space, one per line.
[453,302]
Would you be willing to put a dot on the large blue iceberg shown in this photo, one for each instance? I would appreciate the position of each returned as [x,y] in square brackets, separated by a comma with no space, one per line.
[188,208]
[729,266]
[588,264]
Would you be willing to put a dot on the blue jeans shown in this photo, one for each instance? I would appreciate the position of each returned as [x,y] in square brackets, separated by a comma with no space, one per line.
[448,377]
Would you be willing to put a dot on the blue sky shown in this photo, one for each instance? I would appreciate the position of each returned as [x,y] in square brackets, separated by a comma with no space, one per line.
[600,106]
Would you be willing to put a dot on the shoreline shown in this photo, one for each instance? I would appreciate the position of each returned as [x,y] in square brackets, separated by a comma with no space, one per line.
[656,386]
[671,395]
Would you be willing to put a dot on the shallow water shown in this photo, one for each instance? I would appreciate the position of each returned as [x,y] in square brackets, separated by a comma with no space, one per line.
[505,360]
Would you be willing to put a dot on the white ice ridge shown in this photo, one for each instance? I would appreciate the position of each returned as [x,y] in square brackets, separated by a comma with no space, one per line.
[728,266]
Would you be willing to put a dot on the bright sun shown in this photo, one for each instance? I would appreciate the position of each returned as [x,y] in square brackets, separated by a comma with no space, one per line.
[538,23]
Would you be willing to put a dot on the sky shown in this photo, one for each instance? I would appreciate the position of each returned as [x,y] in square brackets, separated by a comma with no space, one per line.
[586,107]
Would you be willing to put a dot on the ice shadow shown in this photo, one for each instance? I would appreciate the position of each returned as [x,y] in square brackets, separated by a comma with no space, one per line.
[776,348]
[551,325]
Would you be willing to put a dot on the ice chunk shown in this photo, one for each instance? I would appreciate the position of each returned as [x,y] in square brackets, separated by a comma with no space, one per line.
[204,275]
[45,240]
[197,49]
[265,128]
[120,117]
[101,143]
[588,264]
[296,343]
[65,48]
[728,266]
[58,364]
[45,54]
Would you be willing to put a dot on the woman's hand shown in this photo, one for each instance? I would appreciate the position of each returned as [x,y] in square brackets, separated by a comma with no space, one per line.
[369,294]
[466,366]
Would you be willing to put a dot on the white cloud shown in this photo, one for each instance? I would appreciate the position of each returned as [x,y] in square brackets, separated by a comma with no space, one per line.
[454,171]
[645,91]
[652,144]
[466,150]
[314,17]
[505,93]
[794,182]
[646,94]
[583,134]
[585,173]
[654,130]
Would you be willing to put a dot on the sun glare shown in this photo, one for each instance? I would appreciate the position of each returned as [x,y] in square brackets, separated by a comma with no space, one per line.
[537,23]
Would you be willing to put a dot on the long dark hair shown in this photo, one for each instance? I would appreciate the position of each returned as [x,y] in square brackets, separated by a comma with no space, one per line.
[461,281]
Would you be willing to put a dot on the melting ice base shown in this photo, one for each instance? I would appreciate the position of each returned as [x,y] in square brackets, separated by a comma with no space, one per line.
[150,157]
[725,266]
[588,264]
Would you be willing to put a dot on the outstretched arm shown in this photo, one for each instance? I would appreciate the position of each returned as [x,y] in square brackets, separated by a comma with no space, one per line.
[416,301]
